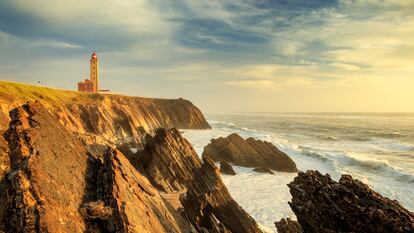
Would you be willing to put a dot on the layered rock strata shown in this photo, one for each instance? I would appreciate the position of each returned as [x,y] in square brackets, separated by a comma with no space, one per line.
[103,119]
[47,178]
[323,205]
[206,202]
[127,202]
[226,168]
[249,153]
[55,185]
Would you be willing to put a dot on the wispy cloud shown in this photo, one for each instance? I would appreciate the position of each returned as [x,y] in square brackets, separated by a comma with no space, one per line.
[303,49]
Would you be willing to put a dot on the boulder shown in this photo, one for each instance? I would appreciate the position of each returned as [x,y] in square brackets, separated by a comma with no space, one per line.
[226,168]
[324,205]
[249,153]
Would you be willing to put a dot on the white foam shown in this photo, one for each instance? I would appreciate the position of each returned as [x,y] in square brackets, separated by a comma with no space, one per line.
[265,196]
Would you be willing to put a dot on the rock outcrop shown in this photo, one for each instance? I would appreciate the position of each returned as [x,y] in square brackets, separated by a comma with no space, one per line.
[288,226]
[168,160]
[48,167]
[226,168]
[4,184]
[323,205]
[206,201]
[249,153]
[208,204]
[127,202]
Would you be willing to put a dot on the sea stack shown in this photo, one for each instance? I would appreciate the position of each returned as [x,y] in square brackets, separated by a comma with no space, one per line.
[249,153]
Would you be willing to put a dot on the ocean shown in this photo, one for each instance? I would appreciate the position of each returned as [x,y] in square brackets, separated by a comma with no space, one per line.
[376,148]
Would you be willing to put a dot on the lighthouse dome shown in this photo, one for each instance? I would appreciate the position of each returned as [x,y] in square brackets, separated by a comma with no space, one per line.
[94,56]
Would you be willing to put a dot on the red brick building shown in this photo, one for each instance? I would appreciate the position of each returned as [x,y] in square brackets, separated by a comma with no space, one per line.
[86,86]
[91,85]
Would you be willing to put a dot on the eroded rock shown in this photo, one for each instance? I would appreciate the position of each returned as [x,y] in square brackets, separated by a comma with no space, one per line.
[323,205]
[172,165]
[226,168]
[136,206]
[48,173]
[249,153]
[286,225]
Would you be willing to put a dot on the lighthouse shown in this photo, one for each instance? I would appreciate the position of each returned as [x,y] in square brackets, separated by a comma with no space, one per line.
[94,75]
[92,84]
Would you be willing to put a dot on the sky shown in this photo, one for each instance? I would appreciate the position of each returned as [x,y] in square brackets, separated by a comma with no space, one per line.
[225,56]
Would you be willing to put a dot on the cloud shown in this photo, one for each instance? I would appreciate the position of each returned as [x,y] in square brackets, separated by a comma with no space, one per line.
[233,47]
[256,84]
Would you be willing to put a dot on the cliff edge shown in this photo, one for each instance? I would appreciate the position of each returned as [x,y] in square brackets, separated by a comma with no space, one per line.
[103,118]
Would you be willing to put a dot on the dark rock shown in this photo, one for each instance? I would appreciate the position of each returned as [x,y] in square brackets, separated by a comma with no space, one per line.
[288,226]
[249,153]
[226,168]
[4,183]
[96,210]
[323,205]
[208,203]
[168,160]
[263,170]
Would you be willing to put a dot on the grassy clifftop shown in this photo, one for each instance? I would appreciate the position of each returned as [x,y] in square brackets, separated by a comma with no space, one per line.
[107,116]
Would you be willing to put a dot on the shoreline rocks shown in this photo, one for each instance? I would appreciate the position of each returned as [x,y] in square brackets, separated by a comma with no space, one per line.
[226,168]
[263,170]
[324,205]
[249,153]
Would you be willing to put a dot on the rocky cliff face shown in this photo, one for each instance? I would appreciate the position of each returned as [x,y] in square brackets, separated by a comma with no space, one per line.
[129,203]
[50,182]
[103,118]
[324,205]
[47,177]
[172,165]
[249,153]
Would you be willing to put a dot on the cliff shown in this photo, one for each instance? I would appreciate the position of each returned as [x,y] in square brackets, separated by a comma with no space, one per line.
[170,162]
[103,118]
[52,183]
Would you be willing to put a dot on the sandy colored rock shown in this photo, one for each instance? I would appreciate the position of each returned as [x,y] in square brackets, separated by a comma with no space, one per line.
[249,153]
[172,165]
[48,173]
[324,205]
[136,206]
[226,168]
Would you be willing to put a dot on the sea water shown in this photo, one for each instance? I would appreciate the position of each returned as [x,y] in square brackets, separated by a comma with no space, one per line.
[377,149]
